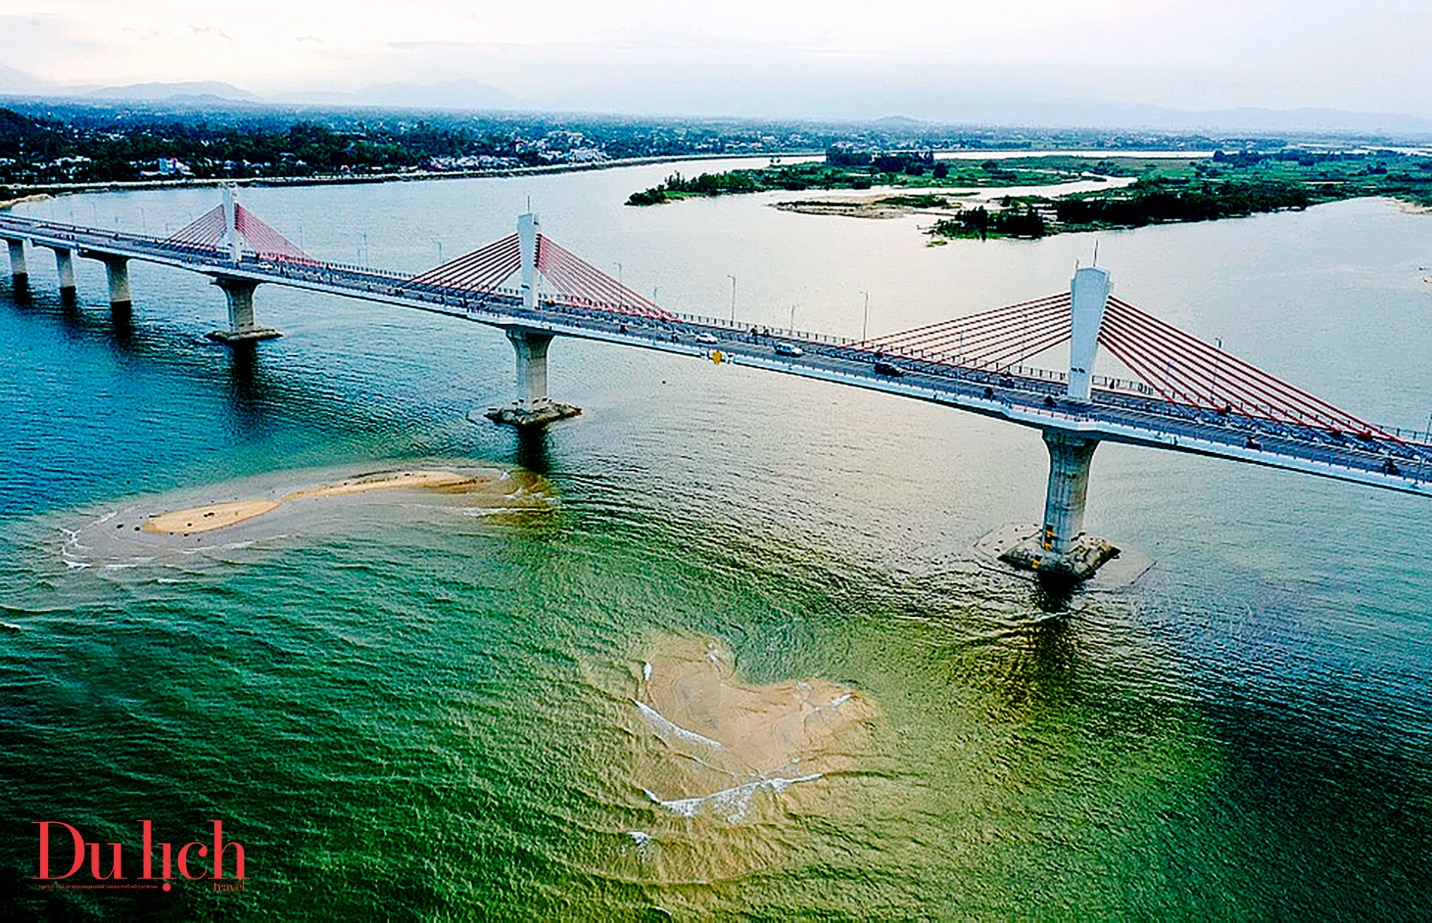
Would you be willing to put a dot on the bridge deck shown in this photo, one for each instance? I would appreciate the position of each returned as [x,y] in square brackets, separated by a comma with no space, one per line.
[1116,413]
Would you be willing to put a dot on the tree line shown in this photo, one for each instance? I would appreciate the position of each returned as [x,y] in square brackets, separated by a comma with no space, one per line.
[1151,202]
[36,150]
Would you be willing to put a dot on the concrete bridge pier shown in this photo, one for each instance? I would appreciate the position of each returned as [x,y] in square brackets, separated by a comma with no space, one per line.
[19,270]
[531,350]
[239,293]
[1069,460]
[533,407]
[1061,549]
[116,271]
[65,268]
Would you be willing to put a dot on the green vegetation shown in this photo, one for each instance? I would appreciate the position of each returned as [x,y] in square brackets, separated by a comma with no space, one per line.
[1240,184]
[1226,185]
[1155,201]
[837,172]
[916,200]
[34,150]
[1013,221]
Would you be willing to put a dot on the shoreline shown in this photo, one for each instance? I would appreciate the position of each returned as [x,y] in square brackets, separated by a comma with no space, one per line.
[49,190]
[30,192]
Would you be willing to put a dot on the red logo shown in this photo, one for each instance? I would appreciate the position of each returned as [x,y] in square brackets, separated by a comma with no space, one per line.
[194,861]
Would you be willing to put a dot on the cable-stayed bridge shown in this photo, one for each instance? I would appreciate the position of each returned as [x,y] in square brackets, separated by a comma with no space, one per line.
[1182,394]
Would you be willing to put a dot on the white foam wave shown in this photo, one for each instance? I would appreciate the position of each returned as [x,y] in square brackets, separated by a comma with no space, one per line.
[487,510]
[662,723]
[730,803]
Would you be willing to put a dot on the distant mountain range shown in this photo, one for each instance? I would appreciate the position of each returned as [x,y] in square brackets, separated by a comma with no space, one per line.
[964,107]
[451,94]
[158,92]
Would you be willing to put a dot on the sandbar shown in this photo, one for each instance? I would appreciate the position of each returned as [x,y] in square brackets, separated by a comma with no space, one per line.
[10,203]
[207,518]
[515,491]
[449,481]
[878,206]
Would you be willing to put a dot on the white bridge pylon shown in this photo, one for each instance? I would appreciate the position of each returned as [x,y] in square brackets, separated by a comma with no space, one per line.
[541,272]
[229,231]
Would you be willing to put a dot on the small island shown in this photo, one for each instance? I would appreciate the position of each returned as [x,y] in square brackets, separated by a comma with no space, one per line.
[846,170]
[1132,191]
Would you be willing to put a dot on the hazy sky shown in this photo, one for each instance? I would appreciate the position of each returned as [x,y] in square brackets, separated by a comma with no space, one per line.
[757,57]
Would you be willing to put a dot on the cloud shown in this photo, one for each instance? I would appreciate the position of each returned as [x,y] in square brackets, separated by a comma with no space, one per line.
[210,30]
[755,56]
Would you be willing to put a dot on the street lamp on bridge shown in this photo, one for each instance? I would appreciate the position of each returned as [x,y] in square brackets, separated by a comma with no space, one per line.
[733,296]
[865,324]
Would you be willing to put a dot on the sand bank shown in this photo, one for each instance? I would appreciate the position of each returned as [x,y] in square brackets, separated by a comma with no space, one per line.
[449,481]
[39,197]
[731,733]
[877,207]
[207,518]
[510,492]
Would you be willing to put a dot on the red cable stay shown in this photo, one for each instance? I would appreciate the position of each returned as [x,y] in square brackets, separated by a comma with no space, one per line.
[483,270]
[264,241]
[571,281]
[257,237]
[1183,369]
[994,340]
[1178,367]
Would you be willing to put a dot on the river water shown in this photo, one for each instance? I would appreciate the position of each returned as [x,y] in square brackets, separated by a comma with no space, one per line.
[410,710]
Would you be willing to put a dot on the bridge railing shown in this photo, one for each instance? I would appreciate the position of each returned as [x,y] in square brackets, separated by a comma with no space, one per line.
[743,327]
[1421,437]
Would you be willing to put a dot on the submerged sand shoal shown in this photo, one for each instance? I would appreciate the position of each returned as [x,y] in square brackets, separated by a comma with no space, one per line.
[725,766]
[213,516]
[735,732]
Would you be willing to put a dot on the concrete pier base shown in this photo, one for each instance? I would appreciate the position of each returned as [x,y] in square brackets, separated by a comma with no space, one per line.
[1061,548]
[19,270]
[239,293]
[1085,555]
[516,415]
[533,407]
